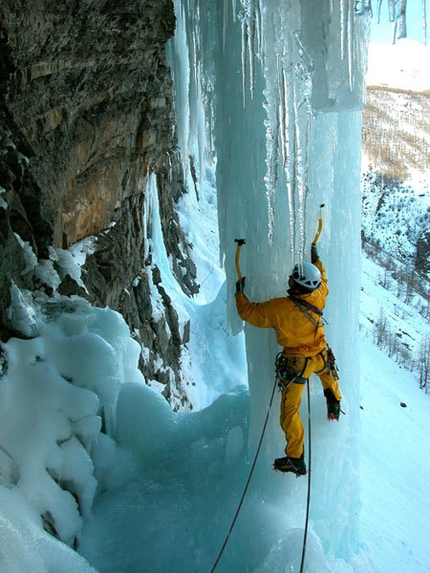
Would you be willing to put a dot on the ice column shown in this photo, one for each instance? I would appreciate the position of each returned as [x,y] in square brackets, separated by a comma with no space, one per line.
[285,85]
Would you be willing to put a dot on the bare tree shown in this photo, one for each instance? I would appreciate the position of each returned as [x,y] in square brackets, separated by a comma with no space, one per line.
[424,363]
[381,329]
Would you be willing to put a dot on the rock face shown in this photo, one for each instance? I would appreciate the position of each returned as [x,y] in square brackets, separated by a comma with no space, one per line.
[86,116]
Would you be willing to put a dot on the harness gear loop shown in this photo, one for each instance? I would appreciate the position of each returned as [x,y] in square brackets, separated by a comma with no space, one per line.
[331,364]
[286,373]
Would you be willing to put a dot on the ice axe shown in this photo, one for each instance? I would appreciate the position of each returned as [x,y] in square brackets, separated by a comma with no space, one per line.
[320,224]
[239,242]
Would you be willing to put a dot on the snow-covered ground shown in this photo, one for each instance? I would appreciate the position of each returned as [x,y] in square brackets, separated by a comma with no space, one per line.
[404,65]
[403,72]
[395,421]
[395,465]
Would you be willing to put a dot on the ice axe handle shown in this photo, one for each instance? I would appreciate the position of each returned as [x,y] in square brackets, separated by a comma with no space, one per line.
[320,224]
[239,242]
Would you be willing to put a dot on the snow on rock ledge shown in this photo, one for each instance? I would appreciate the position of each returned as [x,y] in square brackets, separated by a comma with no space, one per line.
[58,396]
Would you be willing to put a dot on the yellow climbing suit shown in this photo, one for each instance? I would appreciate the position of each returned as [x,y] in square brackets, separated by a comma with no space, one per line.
[301,334]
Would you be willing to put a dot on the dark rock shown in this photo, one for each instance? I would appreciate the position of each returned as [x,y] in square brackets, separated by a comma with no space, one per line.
[422,259]
[87,116]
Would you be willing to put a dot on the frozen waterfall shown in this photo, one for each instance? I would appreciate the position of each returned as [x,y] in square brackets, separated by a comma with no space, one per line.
[269,97]
[281,86]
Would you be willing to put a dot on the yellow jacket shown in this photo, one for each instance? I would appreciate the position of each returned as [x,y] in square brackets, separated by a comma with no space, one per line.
[300,331]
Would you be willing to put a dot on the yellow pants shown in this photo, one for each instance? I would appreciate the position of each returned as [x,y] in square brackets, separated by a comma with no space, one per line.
[291,400]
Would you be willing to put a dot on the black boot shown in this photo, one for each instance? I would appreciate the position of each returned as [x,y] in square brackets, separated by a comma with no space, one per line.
[333,405]
[295,465]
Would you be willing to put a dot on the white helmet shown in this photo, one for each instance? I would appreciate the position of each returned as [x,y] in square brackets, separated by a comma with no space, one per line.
[309,276]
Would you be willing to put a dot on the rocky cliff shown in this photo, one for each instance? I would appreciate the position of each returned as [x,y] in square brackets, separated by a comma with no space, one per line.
[86,116]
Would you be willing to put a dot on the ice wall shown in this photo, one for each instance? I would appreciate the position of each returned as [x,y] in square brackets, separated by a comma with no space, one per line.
[282,86]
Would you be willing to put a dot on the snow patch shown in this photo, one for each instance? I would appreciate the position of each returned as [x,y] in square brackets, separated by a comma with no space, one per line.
[403,65]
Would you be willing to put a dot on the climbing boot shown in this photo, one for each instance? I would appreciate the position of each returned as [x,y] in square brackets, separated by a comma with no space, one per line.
[333,405]
[294,465]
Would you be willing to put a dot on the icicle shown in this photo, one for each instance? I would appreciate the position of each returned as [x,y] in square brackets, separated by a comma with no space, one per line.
[245,19]
[251,46]
[282,105]
[343,26]
[391,10]
[251,27]
[401,18]
[243,55]
[182,81]
[350,36]
[302,118]
[379,11]
[288,140]
[233,2]
[258,33]
[224,23]
[271,177]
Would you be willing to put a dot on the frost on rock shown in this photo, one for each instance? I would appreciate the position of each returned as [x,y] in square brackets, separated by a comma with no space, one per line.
[21,311]
[29,256]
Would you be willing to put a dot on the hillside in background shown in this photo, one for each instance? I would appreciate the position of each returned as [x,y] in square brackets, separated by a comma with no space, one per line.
[396,153]
[396,201]
[396,134]
[396,125]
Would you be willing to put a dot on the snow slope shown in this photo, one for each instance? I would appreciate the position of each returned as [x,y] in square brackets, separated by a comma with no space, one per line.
[395,465]
[396,119]
[404,65]
[395,421]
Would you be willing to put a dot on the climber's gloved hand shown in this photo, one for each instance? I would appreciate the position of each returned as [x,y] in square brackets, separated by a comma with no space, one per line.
[314,253]
[240,285]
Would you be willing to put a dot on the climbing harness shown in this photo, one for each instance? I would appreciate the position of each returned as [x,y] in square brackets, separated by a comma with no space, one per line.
[286,373]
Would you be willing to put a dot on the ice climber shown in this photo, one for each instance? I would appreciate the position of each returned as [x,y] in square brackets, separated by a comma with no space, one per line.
[297,320]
